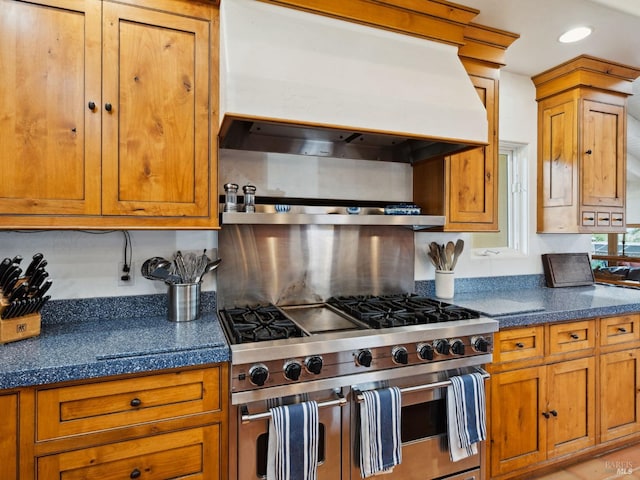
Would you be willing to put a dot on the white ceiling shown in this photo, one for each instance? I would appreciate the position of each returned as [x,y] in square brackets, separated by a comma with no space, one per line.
[616,35]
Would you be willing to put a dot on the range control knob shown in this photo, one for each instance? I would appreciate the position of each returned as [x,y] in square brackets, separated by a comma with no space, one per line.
[258,374]
[313,364]
[400,355]
[364,358]
[292,370]
[425,351]
[480,344]
[457,347]
[442,346]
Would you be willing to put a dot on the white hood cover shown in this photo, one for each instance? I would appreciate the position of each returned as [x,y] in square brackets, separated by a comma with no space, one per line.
[284,65]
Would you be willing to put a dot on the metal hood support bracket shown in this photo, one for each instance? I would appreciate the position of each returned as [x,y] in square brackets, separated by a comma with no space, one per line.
[296,82]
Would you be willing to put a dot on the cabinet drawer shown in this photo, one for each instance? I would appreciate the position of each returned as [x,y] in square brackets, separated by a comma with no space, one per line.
[571,337]
[623,329]
[189,454]
[518,344]
[98,406]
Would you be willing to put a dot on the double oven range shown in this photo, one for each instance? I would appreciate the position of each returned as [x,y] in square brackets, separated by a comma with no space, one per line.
[291,341]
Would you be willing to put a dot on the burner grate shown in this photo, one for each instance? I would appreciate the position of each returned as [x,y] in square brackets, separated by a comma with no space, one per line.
[260,323]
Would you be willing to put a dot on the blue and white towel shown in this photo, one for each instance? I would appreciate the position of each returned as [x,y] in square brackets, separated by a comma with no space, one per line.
[466,415]
[380,442]
[292,452]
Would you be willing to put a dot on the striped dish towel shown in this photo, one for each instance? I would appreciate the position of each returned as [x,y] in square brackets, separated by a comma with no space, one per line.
[465,415]
[380,443]
[292,451]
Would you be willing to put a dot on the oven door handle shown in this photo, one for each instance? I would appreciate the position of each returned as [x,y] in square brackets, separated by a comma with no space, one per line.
[428,386]
[246,417]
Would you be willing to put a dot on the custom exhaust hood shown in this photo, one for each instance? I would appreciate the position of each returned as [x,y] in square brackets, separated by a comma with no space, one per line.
[301,83]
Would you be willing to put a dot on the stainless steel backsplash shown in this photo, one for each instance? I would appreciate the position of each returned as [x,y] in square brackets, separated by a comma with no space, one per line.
[302,264]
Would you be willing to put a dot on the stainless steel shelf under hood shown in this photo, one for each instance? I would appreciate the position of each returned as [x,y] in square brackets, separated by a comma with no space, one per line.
[332,216]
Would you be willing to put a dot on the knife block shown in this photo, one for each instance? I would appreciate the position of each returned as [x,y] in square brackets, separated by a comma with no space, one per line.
[12,329]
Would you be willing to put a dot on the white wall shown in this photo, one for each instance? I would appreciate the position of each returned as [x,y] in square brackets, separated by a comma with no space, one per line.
[85,265]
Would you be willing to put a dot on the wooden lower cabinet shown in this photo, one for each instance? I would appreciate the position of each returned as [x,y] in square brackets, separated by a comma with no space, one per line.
[192,453]
[578,394]
[9,460]
[619,394]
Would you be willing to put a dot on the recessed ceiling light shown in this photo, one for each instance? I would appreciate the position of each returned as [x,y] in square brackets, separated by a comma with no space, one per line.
[575,34]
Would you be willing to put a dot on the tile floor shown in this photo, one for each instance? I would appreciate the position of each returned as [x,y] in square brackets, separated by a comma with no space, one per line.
[622,464]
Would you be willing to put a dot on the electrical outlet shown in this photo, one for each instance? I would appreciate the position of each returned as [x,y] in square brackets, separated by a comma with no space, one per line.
[122,282]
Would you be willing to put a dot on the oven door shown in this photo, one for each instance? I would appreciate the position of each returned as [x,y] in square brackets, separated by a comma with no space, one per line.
[252,435]
[425,446]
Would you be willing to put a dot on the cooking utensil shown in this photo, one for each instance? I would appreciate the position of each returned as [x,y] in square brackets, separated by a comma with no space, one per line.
[4,265]
[151,264]
[209,267]
[459,246]
[43,288]
[19,292]
[449,249]
[161,273]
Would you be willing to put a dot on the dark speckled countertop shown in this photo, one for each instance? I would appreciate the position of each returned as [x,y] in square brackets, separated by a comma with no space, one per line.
[525,300]
[74,344]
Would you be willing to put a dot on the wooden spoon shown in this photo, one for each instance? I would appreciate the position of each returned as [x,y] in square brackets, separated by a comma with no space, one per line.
[457,251]
[449,250]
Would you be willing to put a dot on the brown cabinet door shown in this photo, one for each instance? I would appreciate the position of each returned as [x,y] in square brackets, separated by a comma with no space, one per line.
[9,437]
[156,133]
[571,406]
[602,156]
[619,384]
[49,137]
[518,429]
[558,170]
[472,180]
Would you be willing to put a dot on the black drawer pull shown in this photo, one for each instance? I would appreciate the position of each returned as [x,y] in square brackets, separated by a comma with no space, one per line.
[588,152]
[574,336]
[108,107]
[520,345]
[545,414]
[554,413]
[136,402]
[590,219]
[135,474]
[91,105]
[622,330]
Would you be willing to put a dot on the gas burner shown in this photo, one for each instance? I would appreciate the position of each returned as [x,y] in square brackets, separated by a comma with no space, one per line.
[259,323]
[400,310]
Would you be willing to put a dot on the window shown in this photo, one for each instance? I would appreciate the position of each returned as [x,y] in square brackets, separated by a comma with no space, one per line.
[616,245]
[512,206]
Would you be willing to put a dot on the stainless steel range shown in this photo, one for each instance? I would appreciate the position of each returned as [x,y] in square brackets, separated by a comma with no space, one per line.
[301,333]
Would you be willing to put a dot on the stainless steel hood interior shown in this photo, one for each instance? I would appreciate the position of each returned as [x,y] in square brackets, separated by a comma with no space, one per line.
[296,82]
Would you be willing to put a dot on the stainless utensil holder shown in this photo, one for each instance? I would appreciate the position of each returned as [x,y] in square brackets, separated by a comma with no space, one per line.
[184,302]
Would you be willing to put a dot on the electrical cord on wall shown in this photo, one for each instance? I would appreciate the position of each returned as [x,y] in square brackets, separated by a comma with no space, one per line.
[128,249]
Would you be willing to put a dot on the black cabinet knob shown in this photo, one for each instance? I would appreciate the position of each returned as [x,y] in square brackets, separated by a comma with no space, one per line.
[292,370]
[364,358]
[314,364]
[545,414]
[588,152]
[574,336]
[136,402]
[554,413]
[622,330]
[258,374]
[91,105]
[108,107]
[520,345]
[135,473]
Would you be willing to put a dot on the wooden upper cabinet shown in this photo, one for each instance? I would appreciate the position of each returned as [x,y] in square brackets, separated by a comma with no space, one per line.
[582,145]
[156,135]
[109,113]
[49,139]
